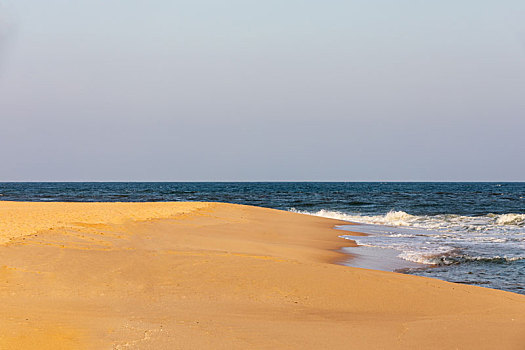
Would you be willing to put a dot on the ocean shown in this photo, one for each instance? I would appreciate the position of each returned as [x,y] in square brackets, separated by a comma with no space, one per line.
[471,233]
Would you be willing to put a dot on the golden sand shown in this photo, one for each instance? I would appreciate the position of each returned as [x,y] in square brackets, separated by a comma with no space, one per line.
[25,218]
[220,276]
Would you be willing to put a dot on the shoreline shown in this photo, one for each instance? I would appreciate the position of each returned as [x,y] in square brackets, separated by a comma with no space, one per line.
[374,258]
[224,276]
[379,259]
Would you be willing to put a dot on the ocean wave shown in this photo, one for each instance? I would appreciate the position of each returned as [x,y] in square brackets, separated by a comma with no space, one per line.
[450,222]
[441,240]
[454,259]
[511,219]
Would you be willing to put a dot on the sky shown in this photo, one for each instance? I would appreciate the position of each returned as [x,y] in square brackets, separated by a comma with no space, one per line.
[245,90]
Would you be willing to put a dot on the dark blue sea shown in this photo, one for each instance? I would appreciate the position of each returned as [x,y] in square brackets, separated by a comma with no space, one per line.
[470,233]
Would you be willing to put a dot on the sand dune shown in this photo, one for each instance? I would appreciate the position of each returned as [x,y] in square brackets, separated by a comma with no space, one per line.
[220,276]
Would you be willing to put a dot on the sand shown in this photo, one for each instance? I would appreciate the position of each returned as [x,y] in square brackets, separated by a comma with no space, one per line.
[221,276]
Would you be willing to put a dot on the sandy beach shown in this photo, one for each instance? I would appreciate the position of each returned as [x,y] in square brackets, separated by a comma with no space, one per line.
[221,276]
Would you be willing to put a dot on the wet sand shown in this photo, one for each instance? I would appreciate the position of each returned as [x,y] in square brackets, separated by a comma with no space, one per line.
[221,276]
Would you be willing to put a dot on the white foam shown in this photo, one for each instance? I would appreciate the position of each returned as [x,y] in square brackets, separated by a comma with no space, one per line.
[421,257]
[449,222]
[440,239]
[511,219]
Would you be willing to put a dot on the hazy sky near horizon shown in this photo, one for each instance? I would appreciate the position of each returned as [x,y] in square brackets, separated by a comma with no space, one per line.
[167,90]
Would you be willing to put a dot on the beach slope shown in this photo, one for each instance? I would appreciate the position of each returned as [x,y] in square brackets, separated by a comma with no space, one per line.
[221,276]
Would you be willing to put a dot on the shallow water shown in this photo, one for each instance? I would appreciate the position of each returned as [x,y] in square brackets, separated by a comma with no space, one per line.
[456,257]
[470,232]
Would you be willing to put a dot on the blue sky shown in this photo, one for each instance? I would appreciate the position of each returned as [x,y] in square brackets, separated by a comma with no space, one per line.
[262,90]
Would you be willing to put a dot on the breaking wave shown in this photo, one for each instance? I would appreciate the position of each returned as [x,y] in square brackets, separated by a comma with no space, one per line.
[442,240]
[511,219]
[448,222]
[452,258]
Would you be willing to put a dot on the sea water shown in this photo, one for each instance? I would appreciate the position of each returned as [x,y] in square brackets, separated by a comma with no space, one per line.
[461,232]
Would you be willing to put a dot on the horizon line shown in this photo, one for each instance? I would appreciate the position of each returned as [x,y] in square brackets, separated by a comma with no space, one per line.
[263,181]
